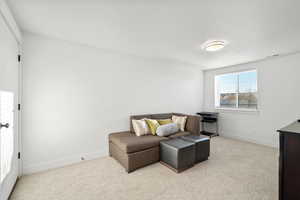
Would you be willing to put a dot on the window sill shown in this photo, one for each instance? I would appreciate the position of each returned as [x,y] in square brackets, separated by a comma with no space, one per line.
[245,110]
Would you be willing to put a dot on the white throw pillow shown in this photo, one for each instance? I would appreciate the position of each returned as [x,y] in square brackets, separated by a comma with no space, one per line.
[140,127]
[167,129]
[180,121]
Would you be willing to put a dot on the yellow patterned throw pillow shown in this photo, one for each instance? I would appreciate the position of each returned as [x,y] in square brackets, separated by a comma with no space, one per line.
[153,125]
[164,121]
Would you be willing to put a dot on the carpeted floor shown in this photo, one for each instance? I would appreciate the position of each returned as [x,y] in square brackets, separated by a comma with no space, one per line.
[235,171]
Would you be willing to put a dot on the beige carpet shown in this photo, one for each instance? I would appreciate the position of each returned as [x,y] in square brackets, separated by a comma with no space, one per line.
[235,171]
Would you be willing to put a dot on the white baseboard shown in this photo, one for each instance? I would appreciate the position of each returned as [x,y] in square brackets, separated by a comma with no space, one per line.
[248,139]
[43,166]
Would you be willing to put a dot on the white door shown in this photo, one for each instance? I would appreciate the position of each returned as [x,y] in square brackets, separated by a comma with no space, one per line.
[9,73]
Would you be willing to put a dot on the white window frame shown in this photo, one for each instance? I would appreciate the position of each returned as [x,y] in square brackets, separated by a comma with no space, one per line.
[217,96]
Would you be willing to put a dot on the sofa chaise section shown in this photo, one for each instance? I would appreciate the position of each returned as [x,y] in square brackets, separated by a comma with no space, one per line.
[134,152]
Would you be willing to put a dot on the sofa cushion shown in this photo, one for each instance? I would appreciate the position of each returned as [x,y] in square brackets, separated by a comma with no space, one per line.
[167,129]
[149,116]
[137,117]
[192,123]
[181,133]
[131,143]
[153,125]
[140,127]
[180,121]
[164,121]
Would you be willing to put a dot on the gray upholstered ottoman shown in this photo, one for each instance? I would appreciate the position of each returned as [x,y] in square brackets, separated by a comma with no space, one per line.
[202,146]
[177,154]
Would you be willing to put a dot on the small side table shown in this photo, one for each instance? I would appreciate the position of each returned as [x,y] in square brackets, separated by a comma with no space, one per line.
[211,118]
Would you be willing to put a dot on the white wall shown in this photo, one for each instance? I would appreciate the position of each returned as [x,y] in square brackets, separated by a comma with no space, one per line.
[10,21]
[279,100]
[74,96]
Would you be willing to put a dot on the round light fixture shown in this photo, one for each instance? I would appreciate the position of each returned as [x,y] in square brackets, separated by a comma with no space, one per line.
[214,45]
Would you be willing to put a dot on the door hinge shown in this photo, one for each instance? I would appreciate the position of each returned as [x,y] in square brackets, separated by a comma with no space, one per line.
[19,155]
[19,106]
[19,58]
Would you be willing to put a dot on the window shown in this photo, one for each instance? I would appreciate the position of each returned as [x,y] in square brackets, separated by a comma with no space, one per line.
[236,90]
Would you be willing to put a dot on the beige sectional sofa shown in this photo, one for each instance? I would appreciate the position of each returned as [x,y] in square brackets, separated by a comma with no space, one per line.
[134,152]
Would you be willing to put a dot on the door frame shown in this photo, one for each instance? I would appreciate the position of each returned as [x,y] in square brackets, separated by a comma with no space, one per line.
[20,95]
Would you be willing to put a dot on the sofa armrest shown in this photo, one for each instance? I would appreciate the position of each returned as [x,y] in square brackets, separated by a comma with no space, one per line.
[111,135]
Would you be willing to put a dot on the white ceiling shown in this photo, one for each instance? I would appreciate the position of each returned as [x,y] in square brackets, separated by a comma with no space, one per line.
[169,29]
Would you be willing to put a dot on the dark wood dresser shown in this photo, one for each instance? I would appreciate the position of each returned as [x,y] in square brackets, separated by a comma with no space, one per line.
[289,162]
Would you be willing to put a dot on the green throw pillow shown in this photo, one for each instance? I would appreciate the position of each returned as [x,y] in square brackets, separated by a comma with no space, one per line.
[153,125]
[164,121]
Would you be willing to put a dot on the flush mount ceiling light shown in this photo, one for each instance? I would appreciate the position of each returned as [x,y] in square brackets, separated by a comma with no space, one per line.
[214,45]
